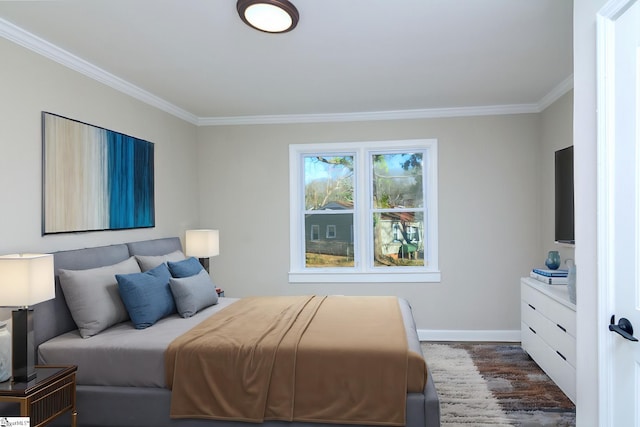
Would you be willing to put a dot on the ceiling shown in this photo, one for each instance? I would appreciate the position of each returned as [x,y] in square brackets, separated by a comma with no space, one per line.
[346,58]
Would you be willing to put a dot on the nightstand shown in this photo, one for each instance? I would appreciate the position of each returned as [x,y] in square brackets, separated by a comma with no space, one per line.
[49,395]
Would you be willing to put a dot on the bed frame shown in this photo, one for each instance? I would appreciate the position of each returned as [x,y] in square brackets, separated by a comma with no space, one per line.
[107,406]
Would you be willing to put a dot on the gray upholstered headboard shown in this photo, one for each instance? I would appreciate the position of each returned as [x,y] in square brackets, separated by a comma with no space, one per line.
[52,318]
[155,247]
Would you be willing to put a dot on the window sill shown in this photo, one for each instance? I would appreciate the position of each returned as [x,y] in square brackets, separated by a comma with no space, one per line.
[330,277]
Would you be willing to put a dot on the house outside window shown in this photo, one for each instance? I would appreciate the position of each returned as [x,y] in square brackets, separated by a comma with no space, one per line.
[377,202]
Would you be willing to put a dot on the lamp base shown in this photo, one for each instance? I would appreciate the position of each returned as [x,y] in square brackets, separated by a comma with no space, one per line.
[205,263]
[23,362]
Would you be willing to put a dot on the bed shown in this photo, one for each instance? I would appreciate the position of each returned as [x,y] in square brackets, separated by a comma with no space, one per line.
[117,387]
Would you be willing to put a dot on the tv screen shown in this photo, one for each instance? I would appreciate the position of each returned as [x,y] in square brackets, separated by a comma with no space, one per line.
[564,230]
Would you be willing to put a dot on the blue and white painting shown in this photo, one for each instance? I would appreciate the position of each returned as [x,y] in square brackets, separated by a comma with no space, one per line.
[94,178]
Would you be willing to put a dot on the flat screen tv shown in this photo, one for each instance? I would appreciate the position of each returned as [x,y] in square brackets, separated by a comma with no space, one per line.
[564,224]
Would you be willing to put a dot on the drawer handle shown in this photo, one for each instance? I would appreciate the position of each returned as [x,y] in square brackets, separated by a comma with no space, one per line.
[561,355]
[560,326]
[532,330]
[531,306]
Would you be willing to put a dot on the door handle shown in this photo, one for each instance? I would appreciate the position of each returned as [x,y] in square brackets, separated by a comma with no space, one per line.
[623,328]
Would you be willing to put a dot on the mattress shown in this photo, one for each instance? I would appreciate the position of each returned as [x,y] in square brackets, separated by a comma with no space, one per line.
[129,357]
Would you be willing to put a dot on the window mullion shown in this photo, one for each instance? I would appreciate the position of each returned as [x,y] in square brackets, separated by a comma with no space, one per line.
[364,214]
[296,210]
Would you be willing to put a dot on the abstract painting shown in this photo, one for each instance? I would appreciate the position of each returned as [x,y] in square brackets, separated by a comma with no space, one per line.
[94,178]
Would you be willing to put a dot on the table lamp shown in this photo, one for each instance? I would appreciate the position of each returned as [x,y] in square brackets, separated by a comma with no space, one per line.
[202,244]
[25,280]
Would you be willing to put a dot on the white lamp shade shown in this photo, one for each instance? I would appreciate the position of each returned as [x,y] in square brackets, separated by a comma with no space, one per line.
[26,279]
[202,243]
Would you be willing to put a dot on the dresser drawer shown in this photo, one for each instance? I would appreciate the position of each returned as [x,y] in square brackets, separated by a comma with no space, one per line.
[563,343]
[559,314]
[554,336]
[534,319]
[558,369]
[564,317]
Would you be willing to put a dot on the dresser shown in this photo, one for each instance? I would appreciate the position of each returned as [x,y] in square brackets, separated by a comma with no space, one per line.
[548,335]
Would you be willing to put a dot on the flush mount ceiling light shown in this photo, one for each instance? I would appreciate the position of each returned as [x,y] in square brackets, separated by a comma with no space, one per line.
[270,16]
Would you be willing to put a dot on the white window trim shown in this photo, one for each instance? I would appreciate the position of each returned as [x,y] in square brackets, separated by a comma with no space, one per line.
[362,273]
[330,234]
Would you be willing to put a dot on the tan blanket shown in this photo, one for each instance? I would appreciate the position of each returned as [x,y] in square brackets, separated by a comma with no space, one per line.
[319,359]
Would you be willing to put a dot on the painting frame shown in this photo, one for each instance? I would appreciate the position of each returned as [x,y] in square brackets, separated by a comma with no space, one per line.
[94,179]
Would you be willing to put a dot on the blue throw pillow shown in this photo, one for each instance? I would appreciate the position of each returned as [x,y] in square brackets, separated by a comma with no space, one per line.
[147,296]
[185,268]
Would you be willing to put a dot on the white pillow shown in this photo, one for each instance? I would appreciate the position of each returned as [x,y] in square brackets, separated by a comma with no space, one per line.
[92,296]
[148,262]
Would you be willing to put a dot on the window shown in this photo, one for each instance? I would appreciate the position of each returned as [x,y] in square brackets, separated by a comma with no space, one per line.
[315,233]
[377,202]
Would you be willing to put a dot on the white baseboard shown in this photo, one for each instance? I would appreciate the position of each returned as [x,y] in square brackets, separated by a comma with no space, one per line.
[461,336]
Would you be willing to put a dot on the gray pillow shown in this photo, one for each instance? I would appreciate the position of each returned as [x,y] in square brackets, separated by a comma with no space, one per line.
[147,262]
[193,293]
[92,296]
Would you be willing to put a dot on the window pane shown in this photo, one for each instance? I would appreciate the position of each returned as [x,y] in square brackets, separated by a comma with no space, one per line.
[315,232]
[328,182]
[398,239]
[326,251]
[397,180]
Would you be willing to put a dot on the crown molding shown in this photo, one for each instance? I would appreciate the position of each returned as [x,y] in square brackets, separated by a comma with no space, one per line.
[32,42]
[36,44]
[563,87]
[429,113]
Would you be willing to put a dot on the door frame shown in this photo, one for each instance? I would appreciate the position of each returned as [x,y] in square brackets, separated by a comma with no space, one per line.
[605,21]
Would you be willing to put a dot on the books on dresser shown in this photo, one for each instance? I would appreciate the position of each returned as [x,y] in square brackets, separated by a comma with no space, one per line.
[550,277]
[551,273]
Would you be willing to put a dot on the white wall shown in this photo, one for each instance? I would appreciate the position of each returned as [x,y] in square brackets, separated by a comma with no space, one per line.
[29,84]
[489,212]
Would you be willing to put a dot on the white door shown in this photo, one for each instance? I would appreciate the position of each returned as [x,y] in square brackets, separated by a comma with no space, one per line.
[619,210]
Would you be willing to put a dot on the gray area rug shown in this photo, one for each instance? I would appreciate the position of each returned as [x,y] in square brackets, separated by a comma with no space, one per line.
[494,385]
